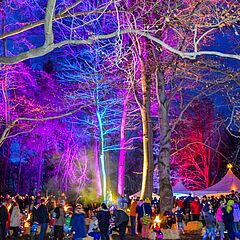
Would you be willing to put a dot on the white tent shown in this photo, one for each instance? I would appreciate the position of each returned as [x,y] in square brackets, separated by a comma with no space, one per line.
[228,183]
[138,194]
[180,190]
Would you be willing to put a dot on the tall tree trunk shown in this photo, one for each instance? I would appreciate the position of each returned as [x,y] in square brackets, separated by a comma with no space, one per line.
[166,195]
[6,170]
[96,167]
[4,80]
[147,179]
[102,157]
[122,155]
[39,179]
[19,172]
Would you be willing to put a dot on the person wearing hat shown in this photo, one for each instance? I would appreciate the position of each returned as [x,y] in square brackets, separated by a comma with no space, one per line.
[78,223]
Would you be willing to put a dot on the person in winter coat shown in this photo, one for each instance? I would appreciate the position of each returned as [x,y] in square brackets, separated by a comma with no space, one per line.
[187,206]
[210,223]
[219,219]
[59,221]
[93,230]
[78,223]
[195,209]
[228,219]
[42,218]
[133,217]
[3,219]
[103,216]
[179,219]
[236,220]
[203,206]
[139,212]
[121,221]
[34,222]
[148,211]
[15,219]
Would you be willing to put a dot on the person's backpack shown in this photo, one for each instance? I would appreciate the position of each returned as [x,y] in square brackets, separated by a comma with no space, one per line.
[56,213]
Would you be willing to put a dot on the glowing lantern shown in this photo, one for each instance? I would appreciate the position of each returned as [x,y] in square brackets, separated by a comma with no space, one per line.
[229,166]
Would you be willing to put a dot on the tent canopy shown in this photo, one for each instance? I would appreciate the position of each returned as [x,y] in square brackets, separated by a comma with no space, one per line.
[138,194]
[228,183]
[180,190]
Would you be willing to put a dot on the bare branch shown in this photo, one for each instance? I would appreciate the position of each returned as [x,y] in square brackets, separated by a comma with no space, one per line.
[13,124]
[48,21]
[41,51]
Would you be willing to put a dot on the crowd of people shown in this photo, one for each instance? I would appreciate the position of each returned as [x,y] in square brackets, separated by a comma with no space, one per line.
[218,214]
[59,219]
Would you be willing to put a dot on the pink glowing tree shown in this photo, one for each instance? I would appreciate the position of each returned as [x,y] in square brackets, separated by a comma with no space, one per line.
[197,157]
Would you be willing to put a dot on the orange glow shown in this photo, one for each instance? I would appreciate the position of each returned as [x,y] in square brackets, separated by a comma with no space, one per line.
[9,206]
[157,220]
[65,208]
[234,188]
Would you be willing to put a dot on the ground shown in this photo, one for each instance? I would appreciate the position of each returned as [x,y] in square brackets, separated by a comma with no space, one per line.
[196,235]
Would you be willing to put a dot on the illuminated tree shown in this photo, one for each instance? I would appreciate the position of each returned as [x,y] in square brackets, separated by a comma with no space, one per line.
[103,95]
[196,160]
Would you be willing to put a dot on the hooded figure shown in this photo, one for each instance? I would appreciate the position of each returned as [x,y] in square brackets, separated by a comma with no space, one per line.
[228,219]
[236,219]
[121,221]
[78,223]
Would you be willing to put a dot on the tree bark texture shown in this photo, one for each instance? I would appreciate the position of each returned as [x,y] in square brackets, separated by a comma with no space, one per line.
[166,195]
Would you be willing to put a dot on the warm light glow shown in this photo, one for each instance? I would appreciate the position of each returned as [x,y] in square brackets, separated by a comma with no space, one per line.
[9,207]
[229,166]
[157,220]
[234,188]
[65,208]
[26,223]
[28,217]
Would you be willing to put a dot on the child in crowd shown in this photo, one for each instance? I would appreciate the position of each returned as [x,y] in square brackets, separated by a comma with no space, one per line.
[179,219]
[67,225]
